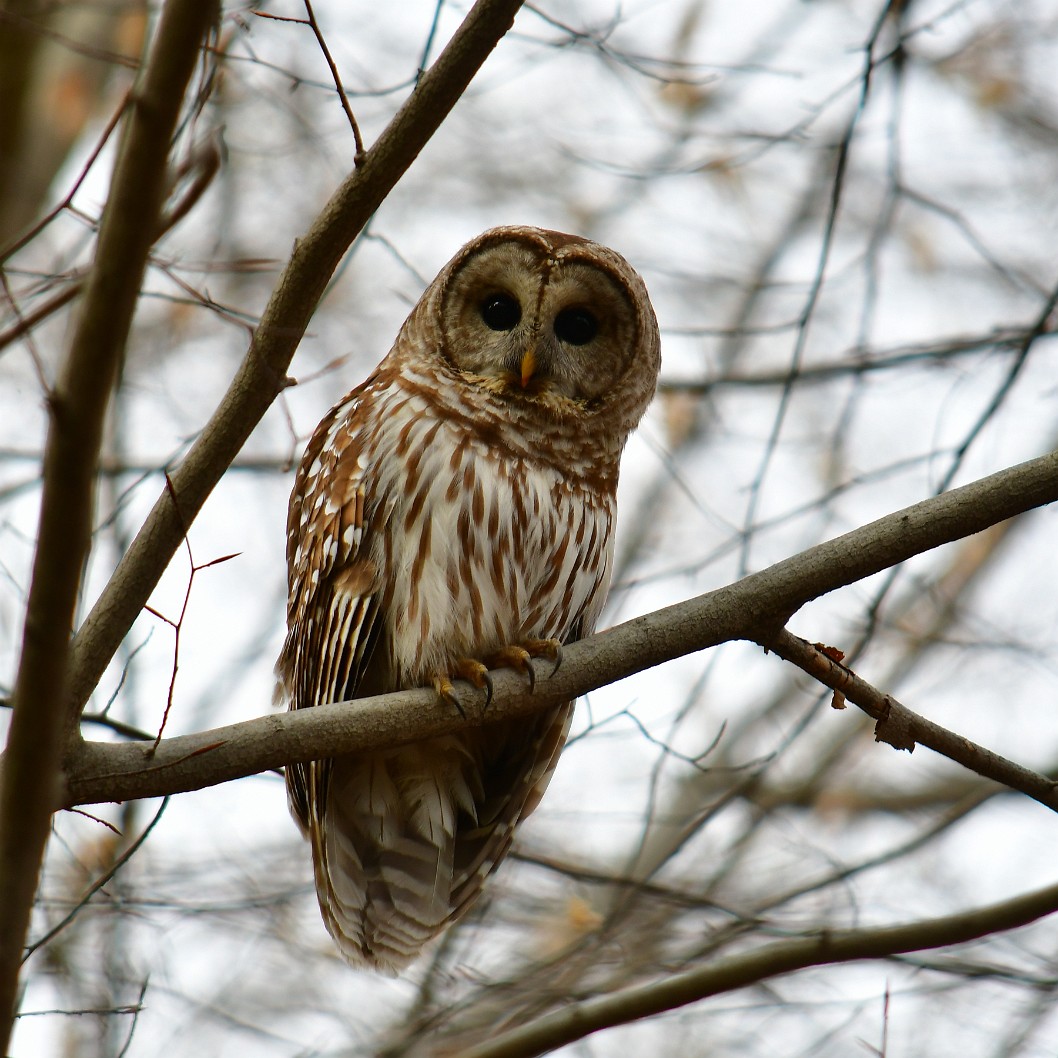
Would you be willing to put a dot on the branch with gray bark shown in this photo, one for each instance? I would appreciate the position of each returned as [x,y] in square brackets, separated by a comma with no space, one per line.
[755,608]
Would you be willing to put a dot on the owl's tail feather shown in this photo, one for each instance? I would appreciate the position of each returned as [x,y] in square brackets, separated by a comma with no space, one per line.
[384,853]
[408,836]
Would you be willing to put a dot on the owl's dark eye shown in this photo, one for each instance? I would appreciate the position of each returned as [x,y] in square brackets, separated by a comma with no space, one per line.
[576,326]
[501,312]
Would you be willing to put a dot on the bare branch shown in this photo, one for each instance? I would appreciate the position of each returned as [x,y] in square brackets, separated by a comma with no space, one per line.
[78,406]
[358,142]
[904,729]
[770,960]
[752,608]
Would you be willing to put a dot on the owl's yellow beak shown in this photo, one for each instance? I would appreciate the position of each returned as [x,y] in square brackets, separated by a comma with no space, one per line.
[528,366]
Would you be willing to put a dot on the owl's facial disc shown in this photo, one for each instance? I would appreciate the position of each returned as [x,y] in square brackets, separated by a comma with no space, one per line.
[540,325]
[541,368]
[512,356]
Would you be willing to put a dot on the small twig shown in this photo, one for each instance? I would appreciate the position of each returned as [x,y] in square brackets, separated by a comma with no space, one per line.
[191,181]
[98,884]
[119,727]
[903,728]
[67,200]
[311,22]
[358,157]
[430,37]
[859,361]
[34,353]
[27,321]
[96,819]
[178,624]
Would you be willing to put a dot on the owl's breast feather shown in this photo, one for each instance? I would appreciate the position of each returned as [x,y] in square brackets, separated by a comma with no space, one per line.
[482,549]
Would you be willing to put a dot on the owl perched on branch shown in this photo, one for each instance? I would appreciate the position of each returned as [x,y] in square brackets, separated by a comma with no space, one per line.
[455,512]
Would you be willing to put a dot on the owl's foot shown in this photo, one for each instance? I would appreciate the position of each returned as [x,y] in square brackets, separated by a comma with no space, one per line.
[468,669]
[517,656]
[520,657]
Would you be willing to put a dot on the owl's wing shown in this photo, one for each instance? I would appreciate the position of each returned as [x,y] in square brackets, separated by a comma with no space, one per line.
[333,618]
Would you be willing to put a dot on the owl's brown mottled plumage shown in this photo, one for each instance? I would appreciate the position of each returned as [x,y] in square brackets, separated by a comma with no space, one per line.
[459,501]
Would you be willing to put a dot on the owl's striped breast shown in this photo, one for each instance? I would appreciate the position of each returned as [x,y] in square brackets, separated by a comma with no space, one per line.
[477,546]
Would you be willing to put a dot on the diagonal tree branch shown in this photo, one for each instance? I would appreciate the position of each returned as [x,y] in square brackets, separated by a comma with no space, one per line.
[762,963]
[262,374]
[903,728]
[756,608]
[78,406]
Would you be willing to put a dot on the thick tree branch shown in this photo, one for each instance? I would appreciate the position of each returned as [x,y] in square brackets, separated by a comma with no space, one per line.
[756,608]
[262,375]
[29,784]
[781,957]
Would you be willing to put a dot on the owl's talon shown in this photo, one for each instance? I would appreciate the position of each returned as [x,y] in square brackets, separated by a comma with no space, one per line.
[551,649]
[513,657]
[467,669]
[547,648]
[446,694]
[519,657]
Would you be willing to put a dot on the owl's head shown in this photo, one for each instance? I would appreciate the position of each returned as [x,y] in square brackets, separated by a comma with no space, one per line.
[548,320]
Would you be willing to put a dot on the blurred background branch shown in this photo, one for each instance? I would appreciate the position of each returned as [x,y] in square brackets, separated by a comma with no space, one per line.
[845,214]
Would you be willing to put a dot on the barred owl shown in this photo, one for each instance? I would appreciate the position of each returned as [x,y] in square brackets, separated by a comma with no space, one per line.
[456,512]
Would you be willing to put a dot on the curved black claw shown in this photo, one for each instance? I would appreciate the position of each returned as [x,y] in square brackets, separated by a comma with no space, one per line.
[486,679]
[557,658]
[546,648]
[469,669]
[446,693]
